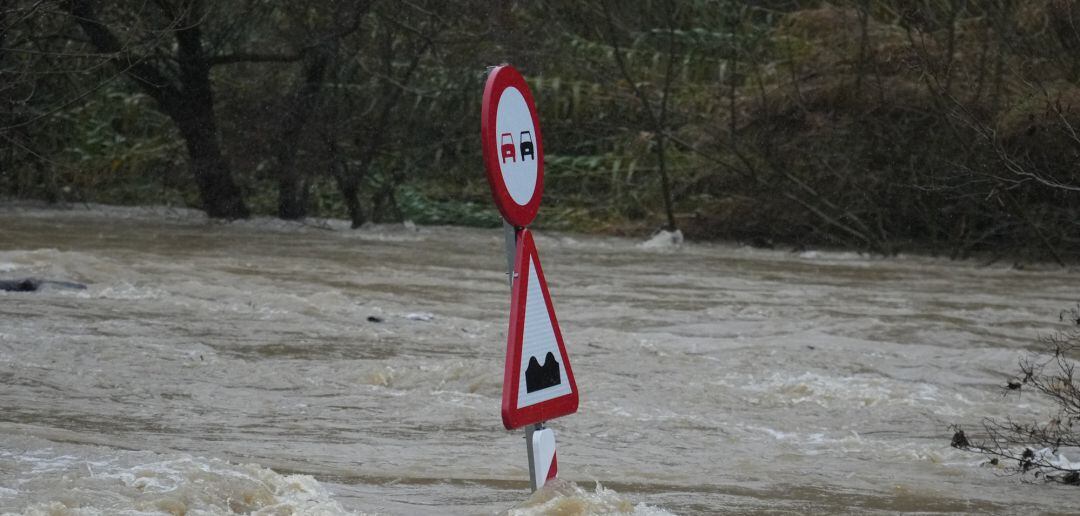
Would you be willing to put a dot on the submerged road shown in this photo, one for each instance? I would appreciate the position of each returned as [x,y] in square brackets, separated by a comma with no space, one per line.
[271,366]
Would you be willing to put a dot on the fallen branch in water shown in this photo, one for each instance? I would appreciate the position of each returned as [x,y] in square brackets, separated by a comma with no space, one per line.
[1038,448]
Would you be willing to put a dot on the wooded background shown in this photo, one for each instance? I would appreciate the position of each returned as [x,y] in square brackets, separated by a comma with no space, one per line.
[941,126]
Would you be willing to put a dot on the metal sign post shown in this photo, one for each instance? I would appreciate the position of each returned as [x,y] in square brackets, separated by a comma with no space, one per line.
[529,431]
[538,382]
[510,240]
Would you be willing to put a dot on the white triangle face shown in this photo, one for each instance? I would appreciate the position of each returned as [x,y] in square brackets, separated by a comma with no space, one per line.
[539,350]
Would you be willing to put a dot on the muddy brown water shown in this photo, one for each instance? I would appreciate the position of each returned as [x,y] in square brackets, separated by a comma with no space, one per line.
[211,368]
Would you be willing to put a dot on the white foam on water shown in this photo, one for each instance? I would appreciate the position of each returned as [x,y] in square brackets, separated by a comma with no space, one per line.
[664,239]
[65,485]
[462,377]
[829,391]
[54,264]
[809,446]
[1057,459]
[83,211]
[122,292]
[564,498]
[839,256]
[399,232]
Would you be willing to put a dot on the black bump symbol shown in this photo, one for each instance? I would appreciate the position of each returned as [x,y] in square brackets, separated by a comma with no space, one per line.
[539,377]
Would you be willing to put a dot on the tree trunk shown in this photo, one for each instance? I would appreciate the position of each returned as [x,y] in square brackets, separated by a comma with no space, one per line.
[292,191]
[198,123]
[862,11]
[348,183]
[221,196]
[658,120]
[190,105]
[661,129]
[350,191]
[372,141]
[1002,27]
[292,182]
[665,183]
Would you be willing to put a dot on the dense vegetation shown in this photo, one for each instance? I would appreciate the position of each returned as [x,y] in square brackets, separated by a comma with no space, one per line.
[946,126]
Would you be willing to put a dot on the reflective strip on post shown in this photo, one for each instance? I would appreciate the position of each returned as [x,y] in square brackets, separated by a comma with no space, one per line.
[545,465]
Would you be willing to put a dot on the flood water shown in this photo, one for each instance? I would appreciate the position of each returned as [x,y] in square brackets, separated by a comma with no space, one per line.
[276,368]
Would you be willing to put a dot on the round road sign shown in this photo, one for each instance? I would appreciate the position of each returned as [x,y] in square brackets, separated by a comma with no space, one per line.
[513,151]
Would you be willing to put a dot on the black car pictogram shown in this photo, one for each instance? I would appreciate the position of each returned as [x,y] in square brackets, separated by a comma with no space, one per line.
[527,145]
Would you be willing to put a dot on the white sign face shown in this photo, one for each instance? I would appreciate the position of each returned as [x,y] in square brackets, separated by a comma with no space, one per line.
[543,375]
[515,137]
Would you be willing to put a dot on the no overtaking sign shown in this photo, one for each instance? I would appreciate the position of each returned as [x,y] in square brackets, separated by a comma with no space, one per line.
[512,146]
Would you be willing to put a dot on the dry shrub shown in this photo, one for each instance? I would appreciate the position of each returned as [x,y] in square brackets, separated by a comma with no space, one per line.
[744,219]
[907,136]
[829,38]
[1044,109]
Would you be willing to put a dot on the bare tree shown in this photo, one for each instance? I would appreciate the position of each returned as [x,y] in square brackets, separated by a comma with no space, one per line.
[656,111]
[182,87]
[298,107]
[409,32]
[180,81]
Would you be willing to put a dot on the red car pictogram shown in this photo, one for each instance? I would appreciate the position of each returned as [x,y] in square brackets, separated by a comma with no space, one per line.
[507,145]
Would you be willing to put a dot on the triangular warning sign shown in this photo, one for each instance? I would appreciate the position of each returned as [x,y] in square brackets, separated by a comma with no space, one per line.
[538,383]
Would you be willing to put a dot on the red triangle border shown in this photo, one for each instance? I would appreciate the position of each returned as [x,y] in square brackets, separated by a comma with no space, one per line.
[512,416]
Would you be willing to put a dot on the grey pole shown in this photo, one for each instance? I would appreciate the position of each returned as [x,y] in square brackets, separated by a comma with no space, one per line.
[529,430]
[510,240]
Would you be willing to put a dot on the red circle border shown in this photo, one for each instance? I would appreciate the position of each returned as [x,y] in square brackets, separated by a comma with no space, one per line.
[500,78]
